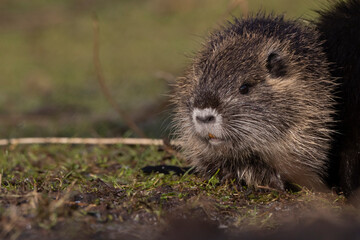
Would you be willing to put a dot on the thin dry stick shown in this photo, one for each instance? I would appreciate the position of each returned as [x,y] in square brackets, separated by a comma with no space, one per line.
[88,141]
[100,76]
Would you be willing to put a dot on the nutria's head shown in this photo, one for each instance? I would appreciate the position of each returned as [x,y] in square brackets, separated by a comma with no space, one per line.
[259,86]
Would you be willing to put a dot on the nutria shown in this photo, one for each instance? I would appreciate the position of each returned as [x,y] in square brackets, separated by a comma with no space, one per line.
[260,102]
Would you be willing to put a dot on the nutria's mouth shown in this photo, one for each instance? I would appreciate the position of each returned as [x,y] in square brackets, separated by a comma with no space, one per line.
[210,139]
[213,140]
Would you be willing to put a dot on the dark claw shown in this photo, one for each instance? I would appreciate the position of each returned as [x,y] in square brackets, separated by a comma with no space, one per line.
[166,169]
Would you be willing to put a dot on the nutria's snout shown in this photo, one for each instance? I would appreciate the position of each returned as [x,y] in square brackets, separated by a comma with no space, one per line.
[208,125]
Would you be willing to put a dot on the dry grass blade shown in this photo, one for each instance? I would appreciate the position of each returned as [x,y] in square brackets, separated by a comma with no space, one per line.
[101,79]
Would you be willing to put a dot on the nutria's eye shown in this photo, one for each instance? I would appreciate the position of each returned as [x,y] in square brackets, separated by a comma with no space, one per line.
[244,89]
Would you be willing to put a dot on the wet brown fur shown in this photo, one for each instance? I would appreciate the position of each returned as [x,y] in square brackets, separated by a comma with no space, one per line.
[280,131]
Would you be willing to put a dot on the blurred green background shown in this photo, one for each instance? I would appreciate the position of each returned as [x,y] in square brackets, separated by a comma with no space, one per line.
[48,82]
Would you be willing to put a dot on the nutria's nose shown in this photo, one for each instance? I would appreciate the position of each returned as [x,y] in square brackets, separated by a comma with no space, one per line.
[205,119]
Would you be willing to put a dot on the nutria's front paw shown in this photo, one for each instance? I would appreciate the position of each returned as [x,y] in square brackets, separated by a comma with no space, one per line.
[277,183]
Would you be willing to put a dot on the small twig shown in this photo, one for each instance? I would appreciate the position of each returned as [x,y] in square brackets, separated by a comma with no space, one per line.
[80,204]
[269,188]
[101,79]
[87,141]
[13,196]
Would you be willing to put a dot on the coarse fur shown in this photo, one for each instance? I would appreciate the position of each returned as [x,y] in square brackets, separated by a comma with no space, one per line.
[269,101]
[340,31]
[256,105]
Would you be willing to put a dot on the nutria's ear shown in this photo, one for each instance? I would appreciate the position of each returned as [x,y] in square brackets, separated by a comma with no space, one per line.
[276,65]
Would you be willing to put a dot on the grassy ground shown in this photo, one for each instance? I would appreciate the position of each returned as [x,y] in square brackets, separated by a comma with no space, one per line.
[78,192]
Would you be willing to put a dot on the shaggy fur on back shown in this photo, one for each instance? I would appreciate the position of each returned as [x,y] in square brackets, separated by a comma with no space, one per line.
[340,31]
